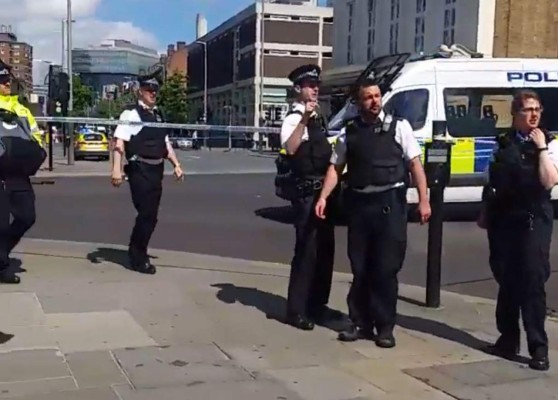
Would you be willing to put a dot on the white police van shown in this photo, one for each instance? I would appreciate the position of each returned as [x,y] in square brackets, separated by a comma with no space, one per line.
[472,93]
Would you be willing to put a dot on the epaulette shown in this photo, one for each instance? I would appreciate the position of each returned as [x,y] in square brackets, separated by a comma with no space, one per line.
[503,139]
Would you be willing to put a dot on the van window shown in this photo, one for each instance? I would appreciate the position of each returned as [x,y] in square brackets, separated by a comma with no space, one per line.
[411,105]
[482,112]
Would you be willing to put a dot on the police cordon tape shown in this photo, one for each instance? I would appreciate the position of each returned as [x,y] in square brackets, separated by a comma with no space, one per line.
[199,127]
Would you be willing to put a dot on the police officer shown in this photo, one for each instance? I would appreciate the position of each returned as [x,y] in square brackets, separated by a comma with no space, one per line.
[304,137]
[379,152]
[145,149]
[518,215]
[17,198]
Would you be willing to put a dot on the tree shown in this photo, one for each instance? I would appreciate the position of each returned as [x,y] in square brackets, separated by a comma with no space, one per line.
[113,108]
[172,98]
[83,97]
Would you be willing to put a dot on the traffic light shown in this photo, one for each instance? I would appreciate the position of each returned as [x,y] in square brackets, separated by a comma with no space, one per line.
[267,114]
[278,114]
[58,91]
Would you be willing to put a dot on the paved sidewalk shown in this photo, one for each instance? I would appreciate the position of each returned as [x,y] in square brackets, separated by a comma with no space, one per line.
[80,326]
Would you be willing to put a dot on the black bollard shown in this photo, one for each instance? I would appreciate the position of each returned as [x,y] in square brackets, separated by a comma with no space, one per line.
[438,172]
[50,152]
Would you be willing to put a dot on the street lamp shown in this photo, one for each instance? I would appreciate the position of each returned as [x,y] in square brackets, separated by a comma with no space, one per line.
[69,21]
[204,79]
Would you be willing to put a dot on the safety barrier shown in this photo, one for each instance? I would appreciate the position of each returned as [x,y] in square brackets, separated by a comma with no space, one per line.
[214,130]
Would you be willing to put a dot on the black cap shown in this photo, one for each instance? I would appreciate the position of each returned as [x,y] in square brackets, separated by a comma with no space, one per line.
[305,72]
[149,81]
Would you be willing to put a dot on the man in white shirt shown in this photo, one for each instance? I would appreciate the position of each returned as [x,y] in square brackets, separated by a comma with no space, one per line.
[304,136]
[145,149]
[379,151]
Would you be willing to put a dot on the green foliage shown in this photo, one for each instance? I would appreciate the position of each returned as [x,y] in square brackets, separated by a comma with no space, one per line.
[172,99]
[113,108]
[83,97]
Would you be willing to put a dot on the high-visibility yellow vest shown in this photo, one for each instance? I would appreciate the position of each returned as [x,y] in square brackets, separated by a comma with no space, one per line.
[11,103]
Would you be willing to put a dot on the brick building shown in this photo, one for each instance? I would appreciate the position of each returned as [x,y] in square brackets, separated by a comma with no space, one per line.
[526,29]
[19,56]
[175,60]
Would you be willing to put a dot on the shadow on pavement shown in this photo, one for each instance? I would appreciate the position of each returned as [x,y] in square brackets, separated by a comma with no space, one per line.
[272,305]
[115,256]
[452,213]
[447,332]
[5,337]
[16,265]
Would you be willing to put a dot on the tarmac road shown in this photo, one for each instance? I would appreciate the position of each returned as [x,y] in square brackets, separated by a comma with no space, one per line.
[238,215]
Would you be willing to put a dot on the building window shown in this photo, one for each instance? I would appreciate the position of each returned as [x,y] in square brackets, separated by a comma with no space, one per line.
[449,23]
[371,29]
[419,26]
[394,27]
[349,36]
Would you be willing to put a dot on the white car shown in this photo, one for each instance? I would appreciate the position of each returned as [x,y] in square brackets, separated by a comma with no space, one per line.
[184,143]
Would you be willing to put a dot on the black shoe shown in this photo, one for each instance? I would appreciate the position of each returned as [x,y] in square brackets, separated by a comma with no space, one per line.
[385,340]
[300,322]
[145,268]
[540,363]
[9,277]
[353,333]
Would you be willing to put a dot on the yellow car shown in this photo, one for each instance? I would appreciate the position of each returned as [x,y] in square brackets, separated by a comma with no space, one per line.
[91,144]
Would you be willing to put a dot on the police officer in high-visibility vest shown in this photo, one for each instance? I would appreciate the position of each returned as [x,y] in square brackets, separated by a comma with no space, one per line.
[145,150]
[379,152]
[304,136]
[21,155]
[518,214]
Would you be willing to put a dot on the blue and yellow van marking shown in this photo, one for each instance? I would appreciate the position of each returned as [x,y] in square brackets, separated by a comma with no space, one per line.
[468,155]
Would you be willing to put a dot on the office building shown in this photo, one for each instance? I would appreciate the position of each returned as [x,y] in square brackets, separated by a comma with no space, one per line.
[113,62]
[19,55]
[294,33]
[366,29]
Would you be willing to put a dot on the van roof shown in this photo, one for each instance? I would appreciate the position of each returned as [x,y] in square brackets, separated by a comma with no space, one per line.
[426,71]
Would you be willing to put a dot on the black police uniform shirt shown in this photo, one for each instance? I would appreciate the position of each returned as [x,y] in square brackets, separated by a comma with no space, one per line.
[404,135]
[552,150]
[125,132]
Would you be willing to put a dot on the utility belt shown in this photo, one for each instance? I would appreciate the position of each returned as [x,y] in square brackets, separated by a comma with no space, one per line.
[150,161]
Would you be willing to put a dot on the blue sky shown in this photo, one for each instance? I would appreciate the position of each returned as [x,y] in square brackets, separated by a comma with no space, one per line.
[170,20]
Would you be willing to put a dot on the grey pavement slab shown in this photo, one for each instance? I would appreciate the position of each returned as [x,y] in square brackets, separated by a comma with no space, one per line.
[20,309]
[37,388]
[76,332]
[188,365]
[95,369]
[247,390]
[28,365]
[29,338]
[324,383]
[82,394]
[473,379]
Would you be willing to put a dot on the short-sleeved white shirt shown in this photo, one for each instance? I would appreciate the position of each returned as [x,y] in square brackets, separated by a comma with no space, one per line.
[290,123]
[404,135]
[125,132]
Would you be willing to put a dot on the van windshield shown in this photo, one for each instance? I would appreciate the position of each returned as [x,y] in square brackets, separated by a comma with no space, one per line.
[485,112]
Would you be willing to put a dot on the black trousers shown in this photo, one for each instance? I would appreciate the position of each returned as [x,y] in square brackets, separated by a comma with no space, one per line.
[377,243]
[17,202]
[520,262]
[312,264]
[146,186]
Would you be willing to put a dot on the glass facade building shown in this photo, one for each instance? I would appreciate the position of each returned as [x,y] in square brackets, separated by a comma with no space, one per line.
[112,62]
